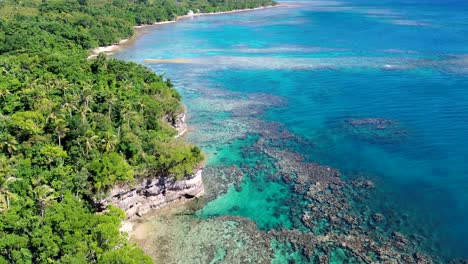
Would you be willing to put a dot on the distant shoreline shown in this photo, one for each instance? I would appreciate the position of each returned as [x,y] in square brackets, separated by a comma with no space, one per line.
[114,47]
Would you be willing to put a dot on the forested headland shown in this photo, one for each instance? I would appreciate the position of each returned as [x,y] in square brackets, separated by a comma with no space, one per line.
[71,128]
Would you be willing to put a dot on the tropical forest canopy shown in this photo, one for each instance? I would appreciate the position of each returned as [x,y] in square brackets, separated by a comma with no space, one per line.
[72,127]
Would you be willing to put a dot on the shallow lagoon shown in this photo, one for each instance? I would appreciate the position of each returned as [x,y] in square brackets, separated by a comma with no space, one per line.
[281,98]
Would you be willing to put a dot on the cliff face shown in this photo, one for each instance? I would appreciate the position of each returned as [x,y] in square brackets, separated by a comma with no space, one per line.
[152,193]
[179,124]
[139,198]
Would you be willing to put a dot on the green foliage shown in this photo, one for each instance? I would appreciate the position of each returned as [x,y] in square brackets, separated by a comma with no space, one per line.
[71,128]
[28,122]
[177,158]
[108,169]
[61,24]
[69,233]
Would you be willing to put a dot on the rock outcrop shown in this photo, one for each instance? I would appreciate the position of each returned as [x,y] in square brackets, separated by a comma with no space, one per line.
[179,123]
[141,197]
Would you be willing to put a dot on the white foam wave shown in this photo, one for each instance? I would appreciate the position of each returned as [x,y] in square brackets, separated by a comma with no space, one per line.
[407,22]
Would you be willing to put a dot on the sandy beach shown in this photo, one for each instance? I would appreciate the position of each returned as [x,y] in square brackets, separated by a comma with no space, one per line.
[139,32]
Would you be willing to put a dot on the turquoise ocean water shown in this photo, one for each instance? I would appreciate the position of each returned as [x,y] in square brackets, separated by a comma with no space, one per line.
[375,89]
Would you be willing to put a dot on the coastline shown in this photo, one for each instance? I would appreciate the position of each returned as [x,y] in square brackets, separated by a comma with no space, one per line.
[133,227]
[138,29]
[140,230]
[137,228]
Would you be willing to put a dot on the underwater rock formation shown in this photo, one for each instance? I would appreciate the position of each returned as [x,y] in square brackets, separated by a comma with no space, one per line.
[375,130]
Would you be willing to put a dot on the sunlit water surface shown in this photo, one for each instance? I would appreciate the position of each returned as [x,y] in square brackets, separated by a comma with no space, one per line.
[376,90]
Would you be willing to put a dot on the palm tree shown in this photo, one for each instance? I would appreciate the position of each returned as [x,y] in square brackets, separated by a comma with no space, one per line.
[43,194]
[111,100]
[61,129]
[48,107]
[142,106]
[9,142]
[51,116]
[5,194]
[127,113]
[5,180]
[90,140]
[87,95]
[109,140]
[62,85]
[4,92]
[68,107]
[84,111]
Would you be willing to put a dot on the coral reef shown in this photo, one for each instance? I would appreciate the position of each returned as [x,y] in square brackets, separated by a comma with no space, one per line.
[375,130]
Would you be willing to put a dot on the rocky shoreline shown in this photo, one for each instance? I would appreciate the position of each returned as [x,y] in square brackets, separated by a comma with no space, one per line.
[142,197]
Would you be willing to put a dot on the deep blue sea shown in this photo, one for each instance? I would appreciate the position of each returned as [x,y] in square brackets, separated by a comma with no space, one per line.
[375,89]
